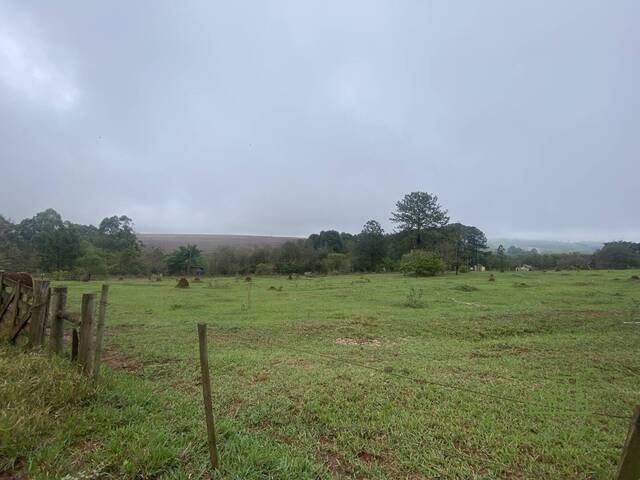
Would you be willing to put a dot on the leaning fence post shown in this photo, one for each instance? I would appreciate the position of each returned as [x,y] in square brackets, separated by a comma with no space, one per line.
[206,394]
[38,312]
[16,302]
[86,331]
[629,466]
[56,340]
[102,316]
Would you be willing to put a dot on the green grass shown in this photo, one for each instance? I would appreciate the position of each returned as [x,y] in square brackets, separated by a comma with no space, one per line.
[292,396]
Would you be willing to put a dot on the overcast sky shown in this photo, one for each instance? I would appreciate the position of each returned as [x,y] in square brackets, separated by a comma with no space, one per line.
[285,118]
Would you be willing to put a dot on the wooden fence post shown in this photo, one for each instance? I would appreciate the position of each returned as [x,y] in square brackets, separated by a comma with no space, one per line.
[85,343]
[56,340]
[38,312]
[629,466]
[16,301]
[206,394]
[102,317]
[74,345]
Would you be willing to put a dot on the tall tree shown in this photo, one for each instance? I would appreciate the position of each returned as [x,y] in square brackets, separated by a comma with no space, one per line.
[54,242]
[370,247]
[417,213]
[116,233]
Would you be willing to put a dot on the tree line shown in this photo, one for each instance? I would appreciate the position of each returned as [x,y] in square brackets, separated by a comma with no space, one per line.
[424,242]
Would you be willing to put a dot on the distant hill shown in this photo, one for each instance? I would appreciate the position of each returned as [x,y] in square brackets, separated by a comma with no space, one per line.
[545,246]
[208,243]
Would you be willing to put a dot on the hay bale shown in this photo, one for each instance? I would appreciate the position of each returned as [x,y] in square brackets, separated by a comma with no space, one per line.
[183,283]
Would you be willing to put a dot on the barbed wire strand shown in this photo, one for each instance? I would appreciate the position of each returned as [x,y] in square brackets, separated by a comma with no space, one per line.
[421,381]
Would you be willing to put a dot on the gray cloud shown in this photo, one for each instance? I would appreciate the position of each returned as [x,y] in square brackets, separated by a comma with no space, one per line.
[290,117]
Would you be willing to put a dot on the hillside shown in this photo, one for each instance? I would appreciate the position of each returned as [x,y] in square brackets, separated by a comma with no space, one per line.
[208,243]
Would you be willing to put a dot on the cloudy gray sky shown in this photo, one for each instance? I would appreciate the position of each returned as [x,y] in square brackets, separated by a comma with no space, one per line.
[285,118]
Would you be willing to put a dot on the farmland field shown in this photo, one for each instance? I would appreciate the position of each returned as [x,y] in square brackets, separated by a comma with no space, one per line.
[358,376]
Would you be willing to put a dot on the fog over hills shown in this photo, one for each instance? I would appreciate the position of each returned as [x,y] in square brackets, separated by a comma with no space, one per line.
[208,243]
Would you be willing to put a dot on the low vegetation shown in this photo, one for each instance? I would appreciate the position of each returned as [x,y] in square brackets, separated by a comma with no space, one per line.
[339,377]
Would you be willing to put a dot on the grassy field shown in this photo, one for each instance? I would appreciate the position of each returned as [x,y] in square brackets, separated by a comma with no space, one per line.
[341,377]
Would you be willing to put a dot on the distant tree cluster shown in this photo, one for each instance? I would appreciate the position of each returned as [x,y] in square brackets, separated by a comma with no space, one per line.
[47,243]
[424,243]
[612,255]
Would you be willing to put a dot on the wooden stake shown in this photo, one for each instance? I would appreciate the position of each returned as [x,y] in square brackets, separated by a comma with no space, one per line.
[74,345]
[56,340]
[38,312]
[16,302]
[629,466]
[102,317]
[87,314]
[206,394]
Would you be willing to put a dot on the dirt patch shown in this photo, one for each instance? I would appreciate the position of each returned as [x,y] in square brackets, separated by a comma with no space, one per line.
[369,458]
[121,361]
[371,342]
[335,463]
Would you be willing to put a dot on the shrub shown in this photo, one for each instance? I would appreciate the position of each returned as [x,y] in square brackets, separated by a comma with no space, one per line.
[421,263]
[414,298]
[265,269]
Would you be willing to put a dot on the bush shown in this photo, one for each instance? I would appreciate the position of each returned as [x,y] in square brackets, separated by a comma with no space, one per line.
[265,269]
[414,298]
[421,263]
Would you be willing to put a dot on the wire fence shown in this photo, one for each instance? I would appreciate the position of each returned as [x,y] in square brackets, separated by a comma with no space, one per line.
[540,407]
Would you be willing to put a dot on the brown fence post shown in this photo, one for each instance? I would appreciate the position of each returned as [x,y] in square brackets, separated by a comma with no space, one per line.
[629,466]
[38,312]
[206,394]
[102,317]
[16,301]
[85,343]
[74,345]
[56,340]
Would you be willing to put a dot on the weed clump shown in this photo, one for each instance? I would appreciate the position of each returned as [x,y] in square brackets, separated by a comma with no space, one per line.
[183,283]
[492,278]
[414,298]
[521,285]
